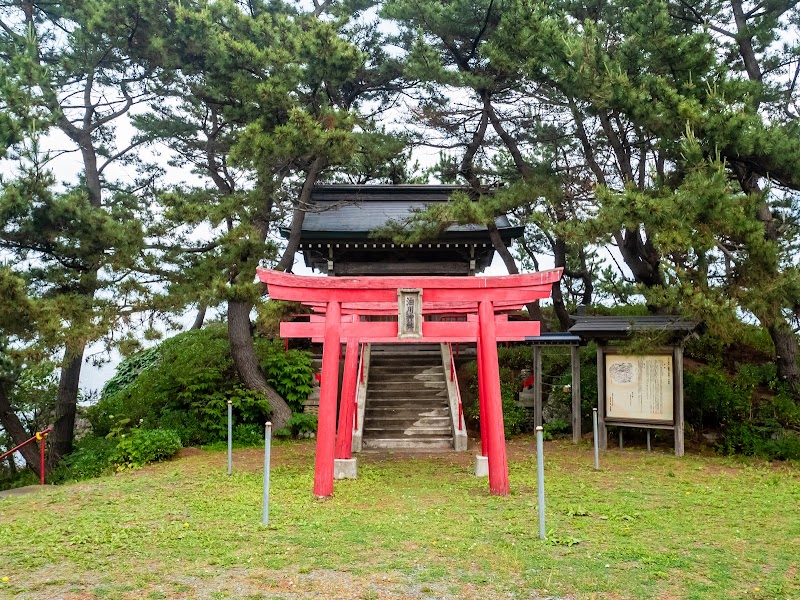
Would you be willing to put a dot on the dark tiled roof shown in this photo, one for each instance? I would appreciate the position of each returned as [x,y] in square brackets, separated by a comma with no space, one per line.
[621,327]
[555,338]
[351,209]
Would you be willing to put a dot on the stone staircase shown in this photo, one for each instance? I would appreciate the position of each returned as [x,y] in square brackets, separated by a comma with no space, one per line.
[407,401]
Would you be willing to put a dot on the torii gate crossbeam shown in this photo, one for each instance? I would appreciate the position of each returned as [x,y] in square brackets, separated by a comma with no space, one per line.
[377,295]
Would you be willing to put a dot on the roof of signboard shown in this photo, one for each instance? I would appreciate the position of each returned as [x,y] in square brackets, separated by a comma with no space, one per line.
[591,327]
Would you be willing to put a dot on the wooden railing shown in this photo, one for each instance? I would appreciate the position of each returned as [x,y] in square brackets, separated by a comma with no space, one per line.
[359,382]
[454,379]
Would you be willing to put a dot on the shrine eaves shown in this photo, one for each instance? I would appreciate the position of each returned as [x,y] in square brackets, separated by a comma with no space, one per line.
[336,236]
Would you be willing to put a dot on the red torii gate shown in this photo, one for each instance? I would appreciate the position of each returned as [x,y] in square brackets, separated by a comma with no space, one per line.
[343,300]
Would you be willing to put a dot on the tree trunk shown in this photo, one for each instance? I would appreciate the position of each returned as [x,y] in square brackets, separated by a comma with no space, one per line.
[245,360]
[240,337]
[560,261]
[17,433]
[534,310]
[642,259]
[201,316]
[67,402]
[786,349]
[299,215]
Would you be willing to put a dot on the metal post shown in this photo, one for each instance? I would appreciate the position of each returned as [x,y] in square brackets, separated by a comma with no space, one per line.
[230,437]
[620,438]
[540,477]
[649,449]
[596,441]
[537,385]
[575,357]
[267,440]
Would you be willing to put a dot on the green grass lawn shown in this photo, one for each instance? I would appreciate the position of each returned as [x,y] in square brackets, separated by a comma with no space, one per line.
[646,526]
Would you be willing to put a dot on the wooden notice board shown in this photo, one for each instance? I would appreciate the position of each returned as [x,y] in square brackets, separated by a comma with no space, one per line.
[640,388]
[643,391]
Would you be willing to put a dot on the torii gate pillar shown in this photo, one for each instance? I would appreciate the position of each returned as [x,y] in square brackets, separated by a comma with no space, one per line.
[490,374]
[329,388]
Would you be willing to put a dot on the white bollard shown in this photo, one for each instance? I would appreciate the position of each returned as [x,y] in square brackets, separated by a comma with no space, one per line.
[267,440]
[540,477]
[596,441]
[230,437]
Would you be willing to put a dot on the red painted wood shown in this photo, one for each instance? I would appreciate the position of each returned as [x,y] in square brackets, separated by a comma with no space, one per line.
[521,295]
[482,402]
[280,278]
[344,433]
[498,464]
[383,332]
[295,294]
[329,389]
[428,308]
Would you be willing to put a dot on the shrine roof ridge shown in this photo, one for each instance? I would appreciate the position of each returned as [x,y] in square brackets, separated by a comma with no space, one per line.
[350,211]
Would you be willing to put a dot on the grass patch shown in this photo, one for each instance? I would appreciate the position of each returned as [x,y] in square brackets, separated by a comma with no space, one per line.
[647,526]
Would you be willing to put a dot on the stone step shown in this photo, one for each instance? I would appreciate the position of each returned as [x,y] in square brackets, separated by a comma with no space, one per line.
[407,405]
[408,443]
[416,410]
[419,403]
[407,392]
[401,378]
[412,349]
[406,421]
[412,432]
[427,383]
[401,370]
[410,364]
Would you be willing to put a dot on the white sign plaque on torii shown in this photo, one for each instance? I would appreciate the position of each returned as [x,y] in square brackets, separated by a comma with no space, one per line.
[409,313]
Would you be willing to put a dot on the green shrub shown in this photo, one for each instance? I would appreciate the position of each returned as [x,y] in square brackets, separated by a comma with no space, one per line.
[144,446]
[185,385]
[291,374]
[298,424]
[92,457]
[130,368]
[515,358]
[515,418]
[768,442]
[556,427]
[248,435]
[712,399]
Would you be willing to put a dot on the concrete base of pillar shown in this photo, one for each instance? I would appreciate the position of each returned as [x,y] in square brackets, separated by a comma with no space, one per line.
[481,466]
[345,468]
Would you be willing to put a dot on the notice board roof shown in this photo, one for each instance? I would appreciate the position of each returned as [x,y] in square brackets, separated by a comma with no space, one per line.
[555,338]
[610,328]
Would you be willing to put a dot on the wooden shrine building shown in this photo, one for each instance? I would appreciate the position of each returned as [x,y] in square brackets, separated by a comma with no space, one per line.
[337,235]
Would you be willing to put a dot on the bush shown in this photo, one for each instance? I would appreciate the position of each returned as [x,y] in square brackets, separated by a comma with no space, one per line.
[712,400]
[291,374]
[186,382]
[761,441]
[298,424]
[144,446]
[514,417]
[92,457]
